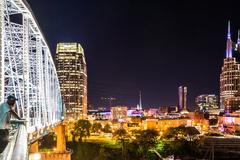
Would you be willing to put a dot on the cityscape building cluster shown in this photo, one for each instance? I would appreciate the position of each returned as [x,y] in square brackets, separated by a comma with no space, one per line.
[71,68]
[206,102]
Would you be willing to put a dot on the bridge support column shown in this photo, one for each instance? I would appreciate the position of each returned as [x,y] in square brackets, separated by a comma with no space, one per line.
[34,147]
[61,152]
[61,140]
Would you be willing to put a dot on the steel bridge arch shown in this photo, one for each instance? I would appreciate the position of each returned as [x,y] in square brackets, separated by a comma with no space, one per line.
[27,69]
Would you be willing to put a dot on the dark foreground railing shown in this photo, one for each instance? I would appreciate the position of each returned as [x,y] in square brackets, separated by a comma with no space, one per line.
[17,148]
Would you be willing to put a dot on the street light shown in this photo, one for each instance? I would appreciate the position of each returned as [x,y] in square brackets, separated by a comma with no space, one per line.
[35,156]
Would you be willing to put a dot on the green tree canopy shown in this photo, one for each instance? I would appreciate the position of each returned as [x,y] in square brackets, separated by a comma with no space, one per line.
[145,140]
[181,132]
[121,135]
[96,127]
[107,128]
[81,129]
[149,135]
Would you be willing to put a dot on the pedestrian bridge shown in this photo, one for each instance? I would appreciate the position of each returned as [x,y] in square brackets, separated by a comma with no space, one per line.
[27,70]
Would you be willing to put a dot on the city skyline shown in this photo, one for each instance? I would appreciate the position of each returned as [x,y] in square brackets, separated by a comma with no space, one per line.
[168,91]
[156,41]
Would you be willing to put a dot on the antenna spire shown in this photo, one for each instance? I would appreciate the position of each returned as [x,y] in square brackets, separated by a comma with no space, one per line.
[229,42]
[238,41]
[140,100]
[229,30]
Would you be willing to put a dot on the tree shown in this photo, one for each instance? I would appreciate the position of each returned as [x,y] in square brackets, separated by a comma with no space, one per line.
[181,132]
[150,136]
[107,128]
[96,127]
[81,129]
[122,136]
[182,137]
[146,140]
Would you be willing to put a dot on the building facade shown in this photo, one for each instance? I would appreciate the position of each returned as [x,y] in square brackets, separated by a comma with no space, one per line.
[162,125]
[119,113]
[206,102]
[229,79]
[182,101]
[72,73]
[164,109]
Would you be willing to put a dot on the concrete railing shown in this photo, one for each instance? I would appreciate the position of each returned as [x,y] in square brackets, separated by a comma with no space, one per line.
[17,148]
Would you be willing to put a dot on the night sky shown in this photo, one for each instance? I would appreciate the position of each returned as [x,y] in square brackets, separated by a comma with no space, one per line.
[147,45]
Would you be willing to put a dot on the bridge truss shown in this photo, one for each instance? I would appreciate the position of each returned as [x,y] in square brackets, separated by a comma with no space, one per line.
[27,69]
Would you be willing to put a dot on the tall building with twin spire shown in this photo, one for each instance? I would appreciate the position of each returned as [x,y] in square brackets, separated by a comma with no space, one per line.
[182,99]
[230,78]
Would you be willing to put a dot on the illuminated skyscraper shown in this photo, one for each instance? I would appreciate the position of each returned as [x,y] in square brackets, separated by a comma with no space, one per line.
[206,102]
[182,101]
[229,79]
[72,74]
